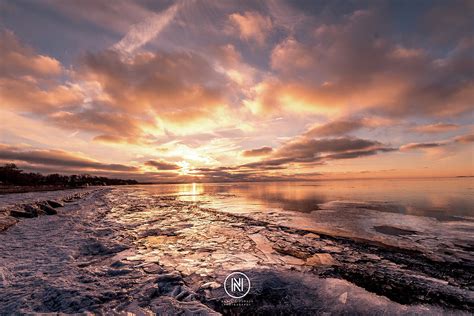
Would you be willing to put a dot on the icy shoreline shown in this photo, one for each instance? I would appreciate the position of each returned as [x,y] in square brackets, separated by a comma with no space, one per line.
[124,249]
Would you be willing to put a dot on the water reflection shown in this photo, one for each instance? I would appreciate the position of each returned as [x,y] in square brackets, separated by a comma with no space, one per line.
[191,190]
[440,198]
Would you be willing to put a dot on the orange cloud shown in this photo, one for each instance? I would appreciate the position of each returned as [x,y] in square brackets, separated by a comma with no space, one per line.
[28,81]
[17,60]
[263,151]
[252,26]
[162,165]
[435,128]
[173,89]
[112,126]
[341,69]
[462,139]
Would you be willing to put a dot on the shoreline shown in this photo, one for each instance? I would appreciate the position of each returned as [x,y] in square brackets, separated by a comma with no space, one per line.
[176,254]
[11,214]
[9,189]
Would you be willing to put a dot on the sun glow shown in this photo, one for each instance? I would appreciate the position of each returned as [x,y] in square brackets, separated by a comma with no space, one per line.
[185,167]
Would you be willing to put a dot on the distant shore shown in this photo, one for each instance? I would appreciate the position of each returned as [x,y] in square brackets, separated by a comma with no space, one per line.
[10,189]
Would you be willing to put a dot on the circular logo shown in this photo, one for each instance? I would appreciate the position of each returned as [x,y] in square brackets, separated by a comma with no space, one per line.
[237,285]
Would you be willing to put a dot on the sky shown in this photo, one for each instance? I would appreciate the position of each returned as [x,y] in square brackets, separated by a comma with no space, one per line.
[211,91]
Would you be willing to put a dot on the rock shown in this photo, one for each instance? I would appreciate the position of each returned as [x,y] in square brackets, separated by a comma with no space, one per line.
[153,268]
[343,298]
[159,240]
[95,247]
[24,214]
[262,244]
[288,249]
[6,221]
[312,235]
[32,209]
[117,264]
[372,257]
[210,285]
[169,277]
[118,272]
[321,259]
[332,249]
[292,260]
[54,204]
[151,291]
[165,305]
[48,209]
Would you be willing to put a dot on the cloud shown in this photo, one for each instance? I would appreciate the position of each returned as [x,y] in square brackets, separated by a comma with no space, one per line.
[174,85]
[143,32]
[236,175]
[344,67]
[257,152]
[252,26]
[305,150]
[147,94]
[230,62]
[413,146]
[113,127]
[435,128]
[463,139]
[18,60]
[447,22]
[335,128]
[59,159]
[162,165]
[113,16]
[340,127]
[30,81]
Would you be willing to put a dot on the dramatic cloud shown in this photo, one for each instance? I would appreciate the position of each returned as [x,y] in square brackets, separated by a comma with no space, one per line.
[335,128]
[308,150]
[18,60]
[162,165]
[178,86]
[257,152]
[304,150]
[252,26]
[341,127]
[146,95]
[345,67]
[59,159]
[463,139]
[28,81]
[193,91]
[113,127]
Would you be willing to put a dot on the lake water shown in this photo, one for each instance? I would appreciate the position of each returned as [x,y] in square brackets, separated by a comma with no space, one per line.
[443,199]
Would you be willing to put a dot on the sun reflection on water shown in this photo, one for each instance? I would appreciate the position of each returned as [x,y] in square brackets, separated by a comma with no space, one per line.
[191,190]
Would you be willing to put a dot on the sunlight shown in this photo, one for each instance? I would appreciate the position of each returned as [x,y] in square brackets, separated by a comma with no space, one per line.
[190,191]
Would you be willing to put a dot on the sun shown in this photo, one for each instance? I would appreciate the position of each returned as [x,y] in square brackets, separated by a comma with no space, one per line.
[185,168]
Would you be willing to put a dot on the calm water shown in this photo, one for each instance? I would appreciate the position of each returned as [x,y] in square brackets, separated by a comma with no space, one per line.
[439,198]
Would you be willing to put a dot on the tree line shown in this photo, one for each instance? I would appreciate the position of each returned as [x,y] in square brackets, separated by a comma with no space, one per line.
[10,174]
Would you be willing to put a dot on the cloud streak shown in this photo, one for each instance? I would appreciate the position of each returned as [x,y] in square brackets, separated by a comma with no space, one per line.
[143,32]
